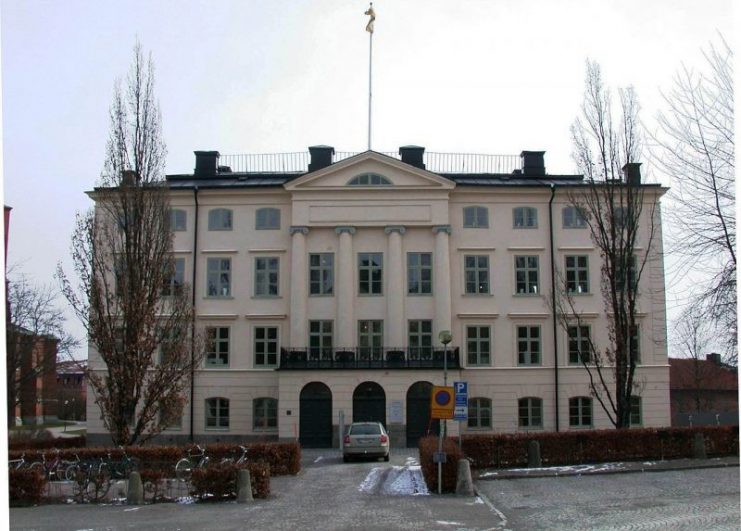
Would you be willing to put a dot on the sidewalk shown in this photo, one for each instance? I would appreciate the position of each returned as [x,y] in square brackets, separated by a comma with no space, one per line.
[607,468]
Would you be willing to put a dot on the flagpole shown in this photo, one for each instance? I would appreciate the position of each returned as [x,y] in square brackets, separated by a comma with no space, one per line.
[370,86]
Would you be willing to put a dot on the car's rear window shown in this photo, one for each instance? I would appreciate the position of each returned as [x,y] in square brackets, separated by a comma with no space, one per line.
[365,429]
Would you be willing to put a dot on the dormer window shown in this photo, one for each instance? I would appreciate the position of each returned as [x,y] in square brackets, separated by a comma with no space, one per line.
[369,179]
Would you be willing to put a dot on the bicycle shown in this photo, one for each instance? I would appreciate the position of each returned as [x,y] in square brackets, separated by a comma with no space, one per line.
[92,479]
[51,468]
[18,464]
[71,468]
[242,459]
[122,468]
[184,467]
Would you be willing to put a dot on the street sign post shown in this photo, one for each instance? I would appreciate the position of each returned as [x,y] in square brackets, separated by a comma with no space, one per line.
[460,411]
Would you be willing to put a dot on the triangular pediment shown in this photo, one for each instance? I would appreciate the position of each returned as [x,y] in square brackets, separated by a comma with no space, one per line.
[400,174]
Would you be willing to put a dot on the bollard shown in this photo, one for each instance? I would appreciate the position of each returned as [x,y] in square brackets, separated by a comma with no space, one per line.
[244,486]
[464,482]
[135,491]
[533,454]
[698,447]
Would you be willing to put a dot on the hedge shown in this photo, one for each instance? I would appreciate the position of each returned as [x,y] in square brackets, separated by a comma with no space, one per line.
[219,481]
[26,487]
[427,447]
[576,447]
[22,443]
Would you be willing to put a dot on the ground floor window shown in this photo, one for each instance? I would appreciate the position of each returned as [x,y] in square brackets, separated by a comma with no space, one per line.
[217,414]
[479,413]
[265,414]
[530,412]
[580,412]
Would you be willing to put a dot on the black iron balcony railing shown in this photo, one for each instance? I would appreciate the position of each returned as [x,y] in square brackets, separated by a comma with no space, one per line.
[368,358]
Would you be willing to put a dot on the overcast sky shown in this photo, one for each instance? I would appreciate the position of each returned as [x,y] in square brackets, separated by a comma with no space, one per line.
[494,76]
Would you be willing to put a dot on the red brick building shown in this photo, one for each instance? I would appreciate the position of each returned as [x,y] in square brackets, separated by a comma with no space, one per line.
[71,390]
[703,391]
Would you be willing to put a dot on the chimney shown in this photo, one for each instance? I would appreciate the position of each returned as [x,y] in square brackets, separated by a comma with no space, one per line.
[128,178]
[321,157]
[632,173]
[413,155]
[532,163]
[714,357]
[207,163]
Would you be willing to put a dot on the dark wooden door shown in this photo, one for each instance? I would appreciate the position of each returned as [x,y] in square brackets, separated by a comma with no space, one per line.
[315,416]
[418,413]
[369,403]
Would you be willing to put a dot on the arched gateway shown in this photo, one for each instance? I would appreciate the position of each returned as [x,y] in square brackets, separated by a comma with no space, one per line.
[369,403]
[315,416]
[418,413]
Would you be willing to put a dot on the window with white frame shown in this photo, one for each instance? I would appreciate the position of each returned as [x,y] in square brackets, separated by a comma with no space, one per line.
[219,277]
[370,273]
[266,276]
[174,284]
[636,411]
[217,344]
[265,413]
[476,271]
[370,339]
[478,345]
[634,346]
[266,346]
[369,179]
[178,219]
[527,276]
[525,218]
[475,217]
[479,412]
[267,219]
[528,345]
[580,412]
[579,344]
[573,218]
[419,273]
[577,274]
[321,274]
[170,421]
[530,412]
[420,339]
[220,219]
[320,339]
[217,413]
[625,274]
[170,339]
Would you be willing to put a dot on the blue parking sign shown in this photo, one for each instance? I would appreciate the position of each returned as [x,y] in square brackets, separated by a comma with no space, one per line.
[461,401]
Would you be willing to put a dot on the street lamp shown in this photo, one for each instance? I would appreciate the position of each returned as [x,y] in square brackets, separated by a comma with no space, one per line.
[445,338]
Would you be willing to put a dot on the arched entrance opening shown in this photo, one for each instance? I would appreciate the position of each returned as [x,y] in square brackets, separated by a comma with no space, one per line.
[369,403]
[418,413]
[315,416]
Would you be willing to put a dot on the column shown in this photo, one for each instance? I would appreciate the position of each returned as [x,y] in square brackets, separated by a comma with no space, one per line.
[299,273]
[394,289]
[441,276]
[345,290]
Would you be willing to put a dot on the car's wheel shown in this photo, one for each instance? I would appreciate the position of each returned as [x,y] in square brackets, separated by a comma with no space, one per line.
[387,457]
[345,459]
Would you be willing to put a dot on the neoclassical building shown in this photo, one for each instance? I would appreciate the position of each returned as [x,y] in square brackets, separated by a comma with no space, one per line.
[323,279]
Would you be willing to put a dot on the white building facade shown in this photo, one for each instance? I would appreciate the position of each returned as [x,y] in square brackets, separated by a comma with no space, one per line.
[323,292]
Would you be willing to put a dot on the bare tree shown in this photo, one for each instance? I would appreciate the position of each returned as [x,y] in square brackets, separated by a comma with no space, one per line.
[695,148]
[34,336]
[122,254]
[620,215]
[693,334]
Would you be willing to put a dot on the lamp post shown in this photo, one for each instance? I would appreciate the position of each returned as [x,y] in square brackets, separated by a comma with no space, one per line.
[445,337]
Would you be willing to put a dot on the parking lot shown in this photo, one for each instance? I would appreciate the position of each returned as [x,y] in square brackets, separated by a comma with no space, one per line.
[373,495]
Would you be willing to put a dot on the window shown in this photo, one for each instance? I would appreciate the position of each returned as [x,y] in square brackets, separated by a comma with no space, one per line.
[478,345]
[528,345]
[530,412]
[577,274]
[219,277]
[475,217]
[479,413]
[623,278]
[217,344]
[267,219]
[573,218]
[620,217]
[266,346]
[525,218]
[369,179]
[580,412]
[476,269]
[320,339]
[170,345]
[420,339]
[634,344]
[419,273]
[174,284]
[220,219]
[579,344]
[178,219]
[266,276]
[265,414]
[526,275]
[321,274]
[636,413]
[370,273]
[217,414]
[370,339]
[175,423]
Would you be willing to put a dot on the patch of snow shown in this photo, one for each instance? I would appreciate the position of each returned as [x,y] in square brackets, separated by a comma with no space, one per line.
[398,481]
[371,480]
[487,474]
[649,463]
[185,500]
[318,459]
[443,522]
[132,509]
[411,461]
[476,501]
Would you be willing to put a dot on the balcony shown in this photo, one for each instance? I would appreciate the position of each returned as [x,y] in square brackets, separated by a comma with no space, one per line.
[368,358]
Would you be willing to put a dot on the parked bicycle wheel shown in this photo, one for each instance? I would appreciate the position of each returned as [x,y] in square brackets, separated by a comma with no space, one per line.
[37,467]
[98,482]
[70,473]
[184,469]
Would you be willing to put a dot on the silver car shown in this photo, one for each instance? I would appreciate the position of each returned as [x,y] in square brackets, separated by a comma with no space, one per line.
[366,439]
